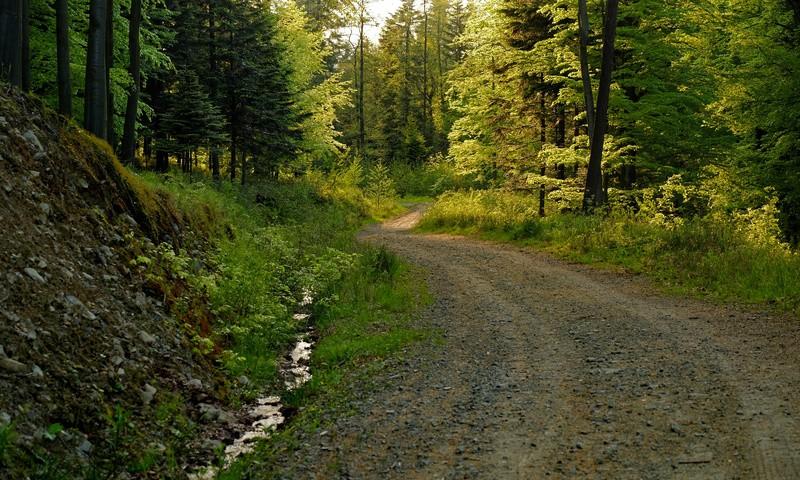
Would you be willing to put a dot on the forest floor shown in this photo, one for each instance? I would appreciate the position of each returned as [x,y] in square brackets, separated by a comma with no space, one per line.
[551,369]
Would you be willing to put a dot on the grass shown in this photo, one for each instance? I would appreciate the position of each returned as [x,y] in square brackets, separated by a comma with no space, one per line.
[270,243]
[723,257]
[369,322]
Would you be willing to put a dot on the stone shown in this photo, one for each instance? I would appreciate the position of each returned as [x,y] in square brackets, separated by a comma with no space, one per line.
[33,140]
[195,384]
[45,208]
[147,393]
[11,365]
[147,338]
[244,380]
[5,418]
[129,220]
[85,447]
[34,275]
[37,372]
[72,300]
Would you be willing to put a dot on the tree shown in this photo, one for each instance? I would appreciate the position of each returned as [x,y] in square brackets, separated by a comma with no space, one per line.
[594,195]
[11,41]
[128,153]
[64,75]
[96,91]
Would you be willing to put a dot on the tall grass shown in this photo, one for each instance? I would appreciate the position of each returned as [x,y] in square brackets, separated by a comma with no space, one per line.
[716,255]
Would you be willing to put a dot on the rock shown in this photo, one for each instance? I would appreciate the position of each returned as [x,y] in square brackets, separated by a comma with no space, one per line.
[244,380]
[210,413]
[148,393]
[129,220]
[195,384]
[141,300]
[5,418]
[34,275]
[85,447]
[72,300]
[675,428]
[37,372]
[45,208]
[11,365]
[33,140]
[146,337]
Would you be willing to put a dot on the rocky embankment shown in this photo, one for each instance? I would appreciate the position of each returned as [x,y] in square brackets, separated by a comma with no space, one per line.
[95,370]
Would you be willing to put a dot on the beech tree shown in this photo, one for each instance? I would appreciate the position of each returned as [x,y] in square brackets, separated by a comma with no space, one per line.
[594,195]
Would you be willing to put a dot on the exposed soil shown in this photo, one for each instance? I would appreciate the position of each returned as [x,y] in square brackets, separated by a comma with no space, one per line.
[555,370]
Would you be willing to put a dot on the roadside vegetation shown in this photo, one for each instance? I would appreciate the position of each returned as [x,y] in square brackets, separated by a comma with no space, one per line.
[689,239]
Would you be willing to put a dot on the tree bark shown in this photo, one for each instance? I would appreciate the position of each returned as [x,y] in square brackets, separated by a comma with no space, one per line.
[362,138]
[96,99]
[543,139]
[62,46]
[594,194]
[588,96]
[25,45]
[110,130]
[11,41]
[132,108]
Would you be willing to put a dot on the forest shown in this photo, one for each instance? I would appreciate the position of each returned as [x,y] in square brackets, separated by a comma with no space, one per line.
[254,144]
[500,93]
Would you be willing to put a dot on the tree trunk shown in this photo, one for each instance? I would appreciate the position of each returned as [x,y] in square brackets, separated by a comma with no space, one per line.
[132,108]
[11,41]
[543,139]
[361,121]
[96,96]
[244,168]
[232,165]
[110,130]
[25,45]
[425,123]
[594,194]
[588,96]
[62,46]
[162,161]
[795,6]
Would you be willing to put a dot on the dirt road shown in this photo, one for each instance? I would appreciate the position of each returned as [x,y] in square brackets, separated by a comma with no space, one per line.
[554,370]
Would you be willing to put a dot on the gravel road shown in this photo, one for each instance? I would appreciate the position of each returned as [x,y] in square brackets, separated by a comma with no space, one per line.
[555,370]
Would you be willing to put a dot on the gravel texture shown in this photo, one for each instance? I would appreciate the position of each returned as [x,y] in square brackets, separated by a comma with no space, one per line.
[555,370]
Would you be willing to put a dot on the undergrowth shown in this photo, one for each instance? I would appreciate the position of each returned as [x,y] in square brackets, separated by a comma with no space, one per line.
[728,255]
[271,244]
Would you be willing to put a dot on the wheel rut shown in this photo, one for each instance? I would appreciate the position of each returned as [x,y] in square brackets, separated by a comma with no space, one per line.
[553,370]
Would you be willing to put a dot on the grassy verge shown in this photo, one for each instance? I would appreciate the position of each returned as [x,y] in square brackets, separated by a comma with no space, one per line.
[272,242]
[369,323]
[724,257]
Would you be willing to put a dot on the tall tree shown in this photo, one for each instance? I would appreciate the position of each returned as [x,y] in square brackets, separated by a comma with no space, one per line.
[594,194]
[588,95]
[11,60]
[62,48]
[96,91]
[128,153]
[25,45]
